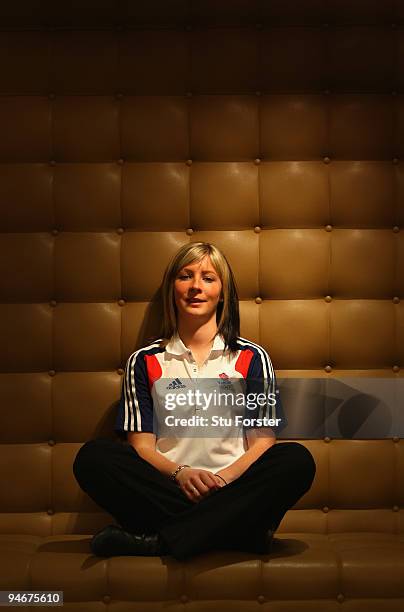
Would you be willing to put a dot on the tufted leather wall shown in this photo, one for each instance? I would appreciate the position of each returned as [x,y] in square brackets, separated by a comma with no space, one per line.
[274,130]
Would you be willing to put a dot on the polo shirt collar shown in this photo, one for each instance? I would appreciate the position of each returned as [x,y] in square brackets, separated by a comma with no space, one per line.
[176,346]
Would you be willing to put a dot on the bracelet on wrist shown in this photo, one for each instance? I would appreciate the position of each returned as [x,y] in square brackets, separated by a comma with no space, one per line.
[173,476]
[221,477]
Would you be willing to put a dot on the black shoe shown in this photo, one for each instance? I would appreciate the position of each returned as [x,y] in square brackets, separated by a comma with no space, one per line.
[268,540]
[114,541]
[255,543]
[263,544]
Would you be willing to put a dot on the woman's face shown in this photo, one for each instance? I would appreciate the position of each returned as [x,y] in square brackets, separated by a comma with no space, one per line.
[197,289]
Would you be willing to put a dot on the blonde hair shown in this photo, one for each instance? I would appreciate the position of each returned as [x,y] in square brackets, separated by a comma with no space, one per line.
[227,312]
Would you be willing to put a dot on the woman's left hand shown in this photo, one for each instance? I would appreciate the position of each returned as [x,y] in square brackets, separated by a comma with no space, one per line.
[226,477]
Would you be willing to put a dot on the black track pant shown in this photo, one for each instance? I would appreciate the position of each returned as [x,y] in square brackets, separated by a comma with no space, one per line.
[143,500]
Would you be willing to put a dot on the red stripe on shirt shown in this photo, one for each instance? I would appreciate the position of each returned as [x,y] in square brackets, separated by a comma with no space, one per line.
[243,362]
[153,368]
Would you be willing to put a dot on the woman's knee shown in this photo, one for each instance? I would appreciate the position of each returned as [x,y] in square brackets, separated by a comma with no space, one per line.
[90,455]
[303,460]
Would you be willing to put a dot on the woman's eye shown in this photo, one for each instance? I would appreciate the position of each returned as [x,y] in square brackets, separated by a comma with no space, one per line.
[187,276]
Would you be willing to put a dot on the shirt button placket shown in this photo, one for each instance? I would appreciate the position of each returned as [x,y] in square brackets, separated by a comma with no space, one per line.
[193,365]
[194,374]
[192,361]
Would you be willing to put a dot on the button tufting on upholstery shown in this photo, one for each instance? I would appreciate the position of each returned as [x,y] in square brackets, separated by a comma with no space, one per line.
[221,127]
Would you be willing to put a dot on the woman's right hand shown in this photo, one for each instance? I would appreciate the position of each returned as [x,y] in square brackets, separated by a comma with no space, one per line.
[197,483]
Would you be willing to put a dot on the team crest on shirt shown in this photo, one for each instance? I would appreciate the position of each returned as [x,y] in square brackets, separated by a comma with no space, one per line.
[176,384]
[224,382]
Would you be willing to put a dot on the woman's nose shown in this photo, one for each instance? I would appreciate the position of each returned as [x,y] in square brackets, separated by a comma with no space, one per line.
[195,283]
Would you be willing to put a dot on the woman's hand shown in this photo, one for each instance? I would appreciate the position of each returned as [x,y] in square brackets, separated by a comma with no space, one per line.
[227,476]
[197,483]
[220,482]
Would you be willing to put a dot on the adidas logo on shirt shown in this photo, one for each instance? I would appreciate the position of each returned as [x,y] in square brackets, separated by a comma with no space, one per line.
[176,384]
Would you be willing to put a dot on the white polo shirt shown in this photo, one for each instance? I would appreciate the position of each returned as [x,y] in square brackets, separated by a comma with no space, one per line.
[154,373]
